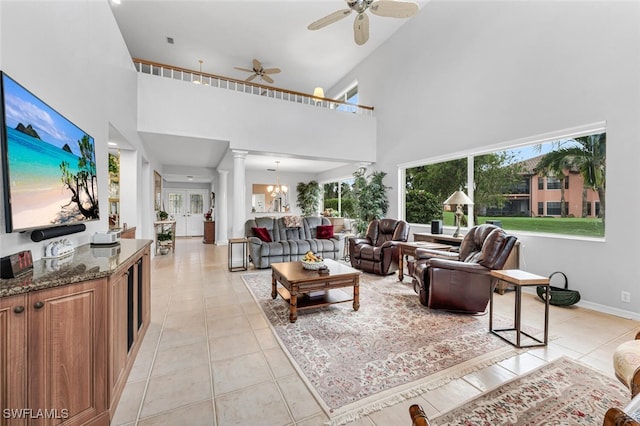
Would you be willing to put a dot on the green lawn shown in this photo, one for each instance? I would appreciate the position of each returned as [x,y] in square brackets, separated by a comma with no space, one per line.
[569,226]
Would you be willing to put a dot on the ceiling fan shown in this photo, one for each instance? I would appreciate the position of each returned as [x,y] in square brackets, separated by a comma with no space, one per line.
[258,71]
[387,8]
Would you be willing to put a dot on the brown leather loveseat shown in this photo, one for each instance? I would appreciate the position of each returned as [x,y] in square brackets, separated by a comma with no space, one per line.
[461,281]
[377,252]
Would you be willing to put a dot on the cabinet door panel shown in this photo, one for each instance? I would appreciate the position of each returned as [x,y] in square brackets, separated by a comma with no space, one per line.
[13,358]
[118,321]
[67,351]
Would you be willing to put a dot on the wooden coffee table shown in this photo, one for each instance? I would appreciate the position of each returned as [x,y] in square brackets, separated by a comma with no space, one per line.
[408,248]
[305,289]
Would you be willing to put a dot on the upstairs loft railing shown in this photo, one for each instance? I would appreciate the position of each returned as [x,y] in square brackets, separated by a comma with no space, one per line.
[205,79]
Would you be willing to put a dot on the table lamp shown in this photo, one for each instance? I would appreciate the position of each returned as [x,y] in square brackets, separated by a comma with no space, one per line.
[458,199]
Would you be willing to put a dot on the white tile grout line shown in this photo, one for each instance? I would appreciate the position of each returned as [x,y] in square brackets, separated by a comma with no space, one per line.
[153,359]
[206,333]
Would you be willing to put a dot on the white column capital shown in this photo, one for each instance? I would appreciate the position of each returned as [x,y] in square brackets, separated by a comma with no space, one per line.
[239,154]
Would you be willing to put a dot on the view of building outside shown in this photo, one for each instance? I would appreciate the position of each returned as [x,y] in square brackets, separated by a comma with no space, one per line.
[553,187]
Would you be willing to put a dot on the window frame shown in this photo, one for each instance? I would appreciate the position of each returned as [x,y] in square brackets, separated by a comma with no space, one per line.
[559,135]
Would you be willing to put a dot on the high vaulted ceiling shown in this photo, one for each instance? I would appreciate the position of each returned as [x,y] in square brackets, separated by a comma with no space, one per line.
[228,34]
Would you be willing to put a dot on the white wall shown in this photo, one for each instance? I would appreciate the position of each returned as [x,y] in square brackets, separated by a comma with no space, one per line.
[72,56]
[253,123]
[479,73]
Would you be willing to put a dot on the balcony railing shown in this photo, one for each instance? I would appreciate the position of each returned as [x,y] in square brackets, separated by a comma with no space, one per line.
[205,79]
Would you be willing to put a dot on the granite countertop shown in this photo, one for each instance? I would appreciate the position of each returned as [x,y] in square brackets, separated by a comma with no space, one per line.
[87,262]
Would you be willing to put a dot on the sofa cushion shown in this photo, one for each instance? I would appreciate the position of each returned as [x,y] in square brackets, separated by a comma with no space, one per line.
[262,233]
[324,232]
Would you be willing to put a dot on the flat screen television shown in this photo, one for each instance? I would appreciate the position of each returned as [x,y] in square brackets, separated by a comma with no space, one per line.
[48,164]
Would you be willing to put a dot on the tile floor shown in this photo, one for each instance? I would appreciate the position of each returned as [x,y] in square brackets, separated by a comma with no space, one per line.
[209,357]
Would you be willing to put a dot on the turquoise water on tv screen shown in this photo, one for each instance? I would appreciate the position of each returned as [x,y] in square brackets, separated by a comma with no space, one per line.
[35,164]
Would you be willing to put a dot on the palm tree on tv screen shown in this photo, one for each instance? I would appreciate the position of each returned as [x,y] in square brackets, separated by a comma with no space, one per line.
[84,183]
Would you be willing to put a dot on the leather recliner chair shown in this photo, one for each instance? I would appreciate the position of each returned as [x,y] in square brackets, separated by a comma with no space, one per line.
[377,252]
[462,282]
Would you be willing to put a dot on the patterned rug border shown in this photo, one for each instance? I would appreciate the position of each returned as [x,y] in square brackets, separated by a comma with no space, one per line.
[547,365]
[388,397]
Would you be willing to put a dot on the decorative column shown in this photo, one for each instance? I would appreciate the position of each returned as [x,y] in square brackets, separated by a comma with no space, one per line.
[222,210]
[239,193]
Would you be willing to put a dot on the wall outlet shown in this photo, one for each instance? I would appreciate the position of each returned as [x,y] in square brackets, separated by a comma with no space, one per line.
[625,296]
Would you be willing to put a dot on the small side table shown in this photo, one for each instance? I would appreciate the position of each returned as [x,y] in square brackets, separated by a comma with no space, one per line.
[243,242]
[345,251]
[520,279]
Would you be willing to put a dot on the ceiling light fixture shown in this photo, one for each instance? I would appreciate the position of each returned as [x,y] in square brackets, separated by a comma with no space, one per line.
[318,94]
[199,81]
[277,190]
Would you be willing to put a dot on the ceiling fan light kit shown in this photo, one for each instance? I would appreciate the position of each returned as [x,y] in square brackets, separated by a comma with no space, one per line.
[385,8]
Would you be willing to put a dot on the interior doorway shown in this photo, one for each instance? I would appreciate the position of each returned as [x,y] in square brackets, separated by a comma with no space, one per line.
[186,206]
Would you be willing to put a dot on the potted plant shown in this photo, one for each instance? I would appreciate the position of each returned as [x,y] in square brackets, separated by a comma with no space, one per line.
[370,198]
[164,239]
[308,197]
[162,215]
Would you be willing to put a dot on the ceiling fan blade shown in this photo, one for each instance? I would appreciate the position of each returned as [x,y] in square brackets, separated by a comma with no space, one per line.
[266,78]
[257,66]
[251,77]
[394,9]
[243,69]
[271,70]
[329,19]
[361,29]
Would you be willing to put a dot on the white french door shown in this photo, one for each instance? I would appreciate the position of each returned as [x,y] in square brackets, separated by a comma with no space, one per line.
[187,209]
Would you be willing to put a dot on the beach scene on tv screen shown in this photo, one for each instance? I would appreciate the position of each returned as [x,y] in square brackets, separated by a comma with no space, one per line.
[51,163]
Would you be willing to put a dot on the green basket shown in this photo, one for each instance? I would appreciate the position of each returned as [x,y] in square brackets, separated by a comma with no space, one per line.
[559,296]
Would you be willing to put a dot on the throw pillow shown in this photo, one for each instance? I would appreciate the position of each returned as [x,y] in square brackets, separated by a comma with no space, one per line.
[292,221]
[324,232]
[262,233]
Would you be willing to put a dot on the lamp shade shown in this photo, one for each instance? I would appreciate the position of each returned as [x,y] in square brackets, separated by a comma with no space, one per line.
[318,92]
[458,198]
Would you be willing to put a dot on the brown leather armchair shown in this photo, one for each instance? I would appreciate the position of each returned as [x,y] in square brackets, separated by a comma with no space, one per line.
[462,282]
[377,252]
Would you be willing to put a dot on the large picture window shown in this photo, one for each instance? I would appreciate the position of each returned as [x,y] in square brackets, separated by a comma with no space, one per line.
[509,186]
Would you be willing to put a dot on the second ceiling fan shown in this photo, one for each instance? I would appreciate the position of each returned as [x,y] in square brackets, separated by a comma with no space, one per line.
[259,71]
[387,8]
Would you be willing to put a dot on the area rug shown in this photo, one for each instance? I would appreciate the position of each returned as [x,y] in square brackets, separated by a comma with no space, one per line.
[563,392]
[391,349]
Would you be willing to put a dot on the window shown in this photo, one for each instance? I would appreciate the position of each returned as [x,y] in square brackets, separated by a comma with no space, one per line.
[428,186]
[553,208]
[553,182]
[503,186]
[338,196]
[351,96]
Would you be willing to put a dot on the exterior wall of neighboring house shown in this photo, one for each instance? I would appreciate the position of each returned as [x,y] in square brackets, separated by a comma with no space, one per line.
[572,195]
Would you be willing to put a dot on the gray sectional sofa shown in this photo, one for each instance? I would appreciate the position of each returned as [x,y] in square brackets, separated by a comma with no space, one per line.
[290,243]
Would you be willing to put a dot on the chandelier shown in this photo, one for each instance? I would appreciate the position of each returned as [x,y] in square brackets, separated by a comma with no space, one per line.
[277,190]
